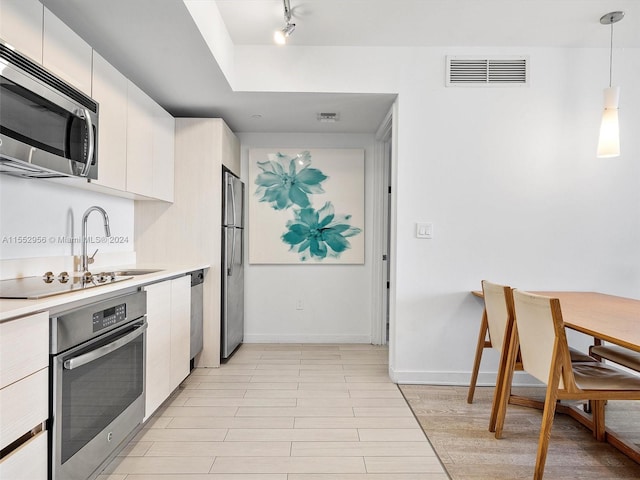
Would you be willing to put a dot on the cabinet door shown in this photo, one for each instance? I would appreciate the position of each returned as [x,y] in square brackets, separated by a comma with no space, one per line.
[180,329]
[109,89]
[24,347]
[66,54]
[139,142]
[23,405]
[28,462]
[163,154]
[21,26]
[157,382]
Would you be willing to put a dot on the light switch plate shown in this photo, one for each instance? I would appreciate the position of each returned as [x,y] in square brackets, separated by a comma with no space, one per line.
[424,230]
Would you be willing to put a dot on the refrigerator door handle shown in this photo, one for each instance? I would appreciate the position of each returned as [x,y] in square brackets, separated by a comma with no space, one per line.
[233,200]
[233,254]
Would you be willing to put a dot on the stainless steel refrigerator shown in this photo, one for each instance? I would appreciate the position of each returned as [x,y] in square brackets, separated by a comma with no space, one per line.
[232,319]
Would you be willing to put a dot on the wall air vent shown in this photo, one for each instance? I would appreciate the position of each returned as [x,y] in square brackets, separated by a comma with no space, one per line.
[487,72]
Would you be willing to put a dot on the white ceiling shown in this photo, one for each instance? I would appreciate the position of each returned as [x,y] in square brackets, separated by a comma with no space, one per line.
[158,46]
[567,23]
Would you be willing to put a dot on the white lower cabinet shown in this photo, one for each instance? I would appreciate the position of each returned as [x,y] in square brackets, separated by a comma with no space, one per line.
[23,406]
[24,396]
[180,329]
[168,332]
[27,462]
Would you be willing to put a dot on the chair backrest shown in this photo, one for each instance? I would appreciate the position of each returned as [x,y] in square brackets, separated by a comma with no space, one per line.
[498,304]
[543,342]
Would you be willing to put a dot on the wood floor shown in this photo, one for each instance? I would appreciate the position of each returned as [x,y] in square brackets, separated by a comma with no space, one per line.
[284,412]
[330,412]
[458,432]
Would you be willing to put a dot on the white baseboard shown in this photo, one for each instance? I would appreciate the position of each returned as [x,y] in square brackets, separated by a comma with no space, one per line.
[520,379]
[301,338]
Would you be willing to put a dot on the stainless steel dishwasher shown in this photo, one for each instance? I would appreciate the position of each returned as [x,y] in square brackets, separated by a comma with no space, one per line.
[197,280]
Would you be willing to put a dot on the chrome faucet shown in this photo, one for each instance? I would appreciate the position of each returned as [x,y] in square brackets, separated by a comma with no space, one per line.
[85,259]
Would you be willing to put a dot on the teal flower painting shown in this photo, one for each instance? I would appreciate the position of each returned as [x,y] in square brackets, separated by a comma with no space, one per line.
[292,208]
[319,233]
[286,181]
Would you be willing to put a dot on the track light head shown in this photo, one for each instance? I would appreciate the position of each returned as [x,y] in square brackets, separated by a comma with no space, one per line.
[280,36]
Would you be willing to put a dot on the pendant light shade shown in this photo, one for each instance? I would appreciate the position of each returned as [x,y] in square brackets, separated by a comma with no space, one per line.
[609,141]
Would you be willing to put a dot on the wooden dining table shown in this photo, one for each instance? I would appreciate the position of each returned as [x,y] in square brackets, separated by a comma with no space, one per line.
[606,318]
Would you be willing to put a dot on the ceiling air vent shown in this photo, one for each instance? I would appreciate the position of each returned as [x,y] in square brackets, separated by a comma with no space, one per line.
[328,117]
[486,72]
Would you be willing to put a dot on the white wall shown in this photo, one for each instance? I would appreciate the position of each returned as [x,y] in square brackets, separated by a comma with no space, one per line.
[336,299]
[39,218]
[508,176]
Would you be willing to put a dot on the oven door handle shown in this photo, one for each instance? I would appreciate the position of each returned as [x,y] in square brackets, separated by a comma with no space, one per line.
[104,350]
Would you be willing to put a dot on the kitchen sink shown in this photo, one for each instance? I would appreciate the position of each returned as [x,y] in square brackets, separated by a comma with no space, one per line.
[136,271]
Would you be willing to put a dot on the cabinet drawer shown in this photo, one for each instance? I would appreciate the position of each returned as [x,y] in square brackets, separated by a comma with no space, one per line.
[24,347]
[29,462]
[23,406]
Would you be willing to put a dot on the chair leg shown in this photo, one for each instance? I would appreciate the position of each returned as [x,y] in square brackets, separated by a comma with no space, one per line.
[507,378]
[484,326]
[597,407]
[500,386]
[545,429]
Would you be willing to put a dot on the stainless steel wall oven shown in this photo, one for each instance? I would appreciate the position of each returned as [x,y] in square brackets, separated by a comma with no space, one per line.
[97,381]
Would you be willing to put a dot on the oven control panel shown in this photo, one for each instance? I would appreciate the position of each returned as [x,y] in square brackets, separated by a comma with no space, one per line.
[109,317]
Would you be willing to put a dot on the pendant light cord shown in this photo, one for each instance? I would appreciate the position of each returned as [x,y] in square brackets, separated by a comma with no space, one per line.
[611,57]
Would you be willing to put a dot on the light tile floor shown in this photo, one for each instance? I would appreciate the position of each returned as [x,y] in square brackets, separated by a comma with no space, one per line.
[284,412]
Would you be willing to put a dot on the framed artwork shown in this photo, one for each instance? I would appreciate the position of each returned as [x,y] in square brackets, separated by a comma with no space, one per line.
[306,206]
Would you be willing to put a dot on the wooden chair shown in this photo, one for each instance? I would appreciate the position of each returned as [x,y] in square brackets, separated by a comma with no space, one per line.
[620,355]
[497,323]
[539,335]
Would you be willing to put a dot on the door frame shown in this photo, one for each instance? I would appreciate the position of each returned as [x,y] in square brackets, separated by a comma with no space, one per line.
[384,220]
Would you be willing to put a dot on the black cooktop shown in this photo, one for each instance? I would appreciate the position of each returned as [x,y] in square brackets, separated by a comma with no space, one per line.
[49,284]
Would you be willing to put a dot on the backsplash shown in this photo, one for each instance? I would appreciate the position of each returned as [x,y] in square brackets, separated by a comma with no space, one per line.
[39,218]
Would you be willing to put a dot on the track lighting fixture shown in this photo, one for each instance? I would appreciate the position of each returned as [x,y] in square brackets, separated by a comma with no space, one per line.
[280,36]
[609,140]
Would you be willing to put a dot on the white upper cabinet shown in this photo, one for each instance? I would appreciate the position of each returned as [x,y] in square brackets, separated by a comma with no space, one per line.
[136,136]
[66,54]
[139,142]
[109,89]
[21,26]
[164,126]
[150,147]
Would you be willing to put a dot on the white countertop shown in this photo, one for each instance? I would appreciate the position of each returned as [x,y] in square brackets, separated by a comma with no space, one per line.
[10,308]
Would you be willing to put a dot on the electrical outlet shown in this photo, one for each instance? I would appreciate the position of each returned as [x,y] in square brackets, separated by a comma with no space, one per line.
[299,305]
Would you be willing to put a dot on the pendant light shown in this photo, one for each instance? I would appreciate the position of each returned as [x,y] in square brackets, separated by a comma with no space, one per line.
[609,140]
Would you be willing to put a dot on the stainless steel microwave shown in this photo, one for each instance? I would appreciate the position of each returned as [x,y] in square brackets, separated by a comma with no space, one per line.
[48,129]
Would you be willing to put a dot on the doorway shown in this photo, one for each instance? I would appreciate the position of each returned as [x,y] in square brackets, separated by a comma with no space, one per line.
[383,250]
